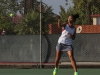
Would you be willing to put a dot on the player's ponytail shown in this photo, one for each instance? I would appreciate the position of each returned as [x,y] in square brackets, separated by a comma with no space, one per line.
[75,16]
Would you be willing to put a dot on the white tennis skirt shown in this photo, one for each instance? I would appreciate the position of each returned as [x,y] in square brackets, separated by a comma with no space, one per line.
[63,47]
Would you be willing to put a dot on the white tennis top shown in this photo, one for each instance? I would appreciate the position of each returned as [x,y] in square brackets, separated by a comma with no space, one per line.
[64,38]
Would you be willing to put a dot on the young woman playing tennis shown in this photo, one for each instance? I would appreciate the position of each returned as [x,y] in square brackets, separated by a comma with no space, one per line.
[65,42]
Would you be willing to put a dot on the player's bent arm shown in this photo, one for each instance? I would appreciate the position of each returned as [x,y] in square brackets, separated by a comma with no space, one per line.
[61,25]
[59,22]
[72,36]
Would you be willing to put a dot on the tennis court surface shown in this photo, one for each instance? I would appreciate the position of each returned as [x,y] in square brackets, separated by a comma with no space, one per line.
[47,71]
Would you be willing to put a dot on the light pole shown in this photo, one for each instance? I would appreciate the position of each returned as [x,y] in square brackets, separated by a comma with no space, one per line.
[40,33]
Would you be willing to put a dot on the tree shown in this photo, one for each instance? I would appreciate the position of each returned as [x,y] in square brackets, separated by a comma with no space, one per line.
[64,14]
[85,9]
[6,22]
[30,23]
[28,6]
[6,7]
[10,6]
[48,17]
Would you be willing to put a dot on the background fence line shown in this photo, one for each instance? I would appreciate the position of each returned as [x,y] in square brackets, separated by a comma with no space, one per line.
[25,48]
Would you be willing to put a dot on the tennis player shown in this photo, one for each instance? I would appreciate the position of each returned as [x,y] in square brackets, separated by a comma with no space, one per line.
[65,42]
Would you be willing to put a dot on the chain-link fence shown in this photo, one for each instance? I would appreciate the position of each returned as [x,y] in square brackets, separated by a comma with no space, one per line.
[20,31]
[26,48]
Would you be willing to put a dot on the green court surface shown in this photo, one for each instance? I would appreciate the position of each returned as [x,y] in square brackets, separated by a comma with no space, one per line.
[48,72]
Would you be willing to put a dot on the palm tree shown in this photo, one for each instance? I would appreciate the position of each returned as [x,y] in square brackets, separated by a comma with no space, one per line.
[29,24]
[28,6]
[89,5]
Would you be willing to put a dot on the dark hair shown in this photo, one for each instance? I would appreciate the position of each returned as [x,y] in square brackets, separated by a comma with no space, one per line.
[75,16]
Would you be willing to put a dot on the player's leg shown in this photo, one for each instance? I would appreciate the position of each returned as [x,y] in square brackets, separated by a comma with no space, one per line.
[70,54]
[58,56]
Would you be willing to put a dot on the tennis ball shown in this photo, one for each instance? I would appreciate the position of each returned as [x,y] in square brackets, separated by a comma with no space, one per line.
[11,15]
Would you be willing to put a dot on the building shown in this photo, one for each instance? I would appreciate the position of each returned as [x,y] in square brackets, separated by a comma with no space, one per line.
[96,19]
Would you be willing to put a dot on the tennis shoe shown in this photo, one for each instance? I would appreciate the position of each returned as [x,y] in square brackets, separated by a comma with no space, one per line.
[55,71]
[75,73]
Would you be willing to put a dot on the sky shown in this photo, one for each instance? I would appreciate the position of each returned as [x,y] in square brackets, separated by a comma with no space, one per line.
[56,3]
